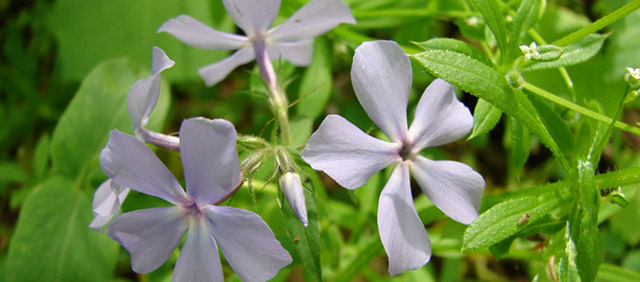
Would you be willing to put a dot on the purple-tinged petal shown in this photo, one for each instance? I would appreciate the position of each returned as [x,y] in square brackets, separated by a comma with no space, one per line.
[313,19]
[215,72]
[128,162]
[299,53]
[150,235]
[210,158]
[143,95]
[247,243]
[347,154]
[294,193]
[440,118]
[254,17]
[381,76]
[106,203]
[453,187]
[196,34]
[402,233]
[199,259]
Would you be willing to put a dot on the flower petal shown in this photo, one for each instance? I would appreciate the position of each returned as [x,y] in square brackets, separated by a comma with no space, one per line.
[402,233]
[299,53]
[440,118]
[347,154]
[199,259]
[150,235]
[247,243]
[313,19]
[254,17]
[215,72]
[128,162]
[293,191]
[143,95]
[210,158]
[196,34]
[106,203]
[453,187]
[381,76]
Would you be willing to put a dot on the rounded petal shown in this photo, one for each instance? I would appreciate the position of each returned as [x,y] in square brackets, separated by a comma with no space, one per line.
[213,73]
[453,187]
[440,118]
[402,233]
[150,235]
[199,259]
[128,162]
[381,76]
[196,34]
[254,17]
[294,193]
[347,154]
[210,158]
[247,243]
[299,53]
[313,19]
[106,203]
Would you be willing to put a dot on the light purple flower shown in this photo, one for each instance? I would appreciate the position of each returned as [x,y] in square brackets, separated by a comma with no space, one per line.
[381,75]
[211,169]
[294,193]
[292,40]
[106,203]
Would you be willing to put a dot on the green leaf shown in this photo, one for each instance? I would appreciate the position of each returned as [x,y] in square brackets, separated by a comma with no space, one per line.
[301,127]
[11,172]
[52,240]
[485,118]
[317,82]
[568,270]
[495,20]
[575,53]
[520,144]
[505,219]
[526,17]
[559,130]
[98,107]
[455,45]
[588,241]
[306,240]
[41,156]
[488,84]
[614,273]
[88,32]
[549,53]
[501,249]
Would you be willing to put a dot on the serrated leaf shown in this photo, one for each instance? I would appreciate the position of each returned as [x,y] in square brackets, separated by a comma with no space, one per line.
[98,107]
[306,240]
[575,53]
[501,221]
[526,17]
[495,20]
[317,82]
[455,45]
[485,118]
[520,143]
[487,83]
[52,240]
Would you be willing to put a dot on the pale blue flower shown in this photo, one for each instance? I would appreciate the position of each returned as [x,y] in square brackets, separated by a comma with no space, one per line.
[292,40]
[211,169]
[381,75]
[294,193]
[106,203]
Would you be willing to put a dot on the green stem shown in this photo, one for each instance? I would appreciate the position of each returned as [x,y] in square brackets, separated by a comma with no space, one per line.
[409,13]
[560,101]
[596,148]
[599,24]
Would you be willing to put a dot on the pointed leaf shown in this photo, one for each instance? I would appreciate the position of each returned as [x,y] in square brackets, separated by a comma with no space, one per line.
[306,239]
[520,143]
[485,117]
[575,53]
[492,15]
[526,17]
[457,46]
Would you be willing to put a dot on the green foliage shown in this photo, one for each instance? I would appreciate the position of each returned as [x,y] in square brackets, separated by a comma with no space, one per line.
[492,15]
[485,117]
[316,85]
[52,239]
[575,53]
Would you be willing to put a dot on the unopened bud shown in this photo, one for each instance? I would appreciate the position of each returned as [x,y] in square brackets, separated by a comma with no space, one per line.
[292,190]
[633,77]
[515,79]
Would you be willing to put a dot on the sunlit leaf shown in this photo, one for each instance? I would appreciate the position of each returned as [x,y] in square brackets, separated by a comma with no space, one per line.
[575,53]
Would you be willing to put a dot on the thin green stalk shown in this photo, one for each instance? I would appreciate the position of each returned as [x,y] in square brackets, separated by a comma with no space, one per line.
[560,101]
[599,24]
[596,149]
[409,13]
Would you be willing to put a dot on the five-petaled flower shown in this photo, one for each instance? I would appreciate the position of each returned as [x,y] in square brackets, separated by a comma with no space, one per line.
[292,40]
[210,160]
[381,75]
[530,51]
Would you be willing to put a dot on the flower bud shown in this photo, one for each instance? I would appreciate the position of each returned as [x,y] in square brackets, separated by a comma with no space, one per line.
[292,189]
[515,79]
[633,77]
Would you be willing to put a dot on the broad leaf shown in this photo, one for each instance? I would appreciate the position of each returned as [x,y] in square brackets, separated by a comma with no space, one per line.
[485,118]
[53,242]
[575,53]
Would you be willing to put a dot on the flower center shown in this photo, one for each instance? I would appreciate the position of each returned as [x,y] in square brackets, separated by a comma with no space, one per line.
[406,152]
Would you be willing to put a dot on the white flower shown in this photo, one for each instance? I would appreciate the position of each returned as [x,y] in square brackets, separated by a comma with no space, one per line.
[381,75]
[530,51]
[292,40]
[632,77]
